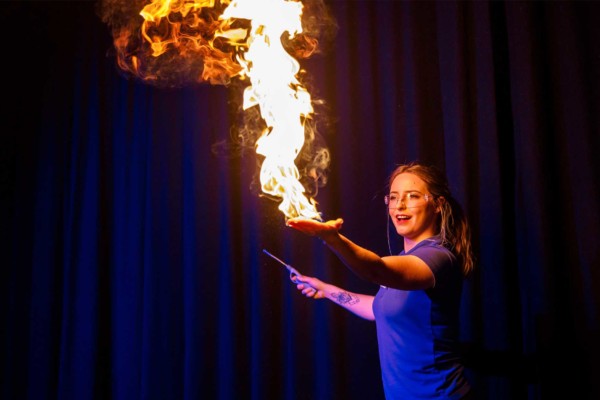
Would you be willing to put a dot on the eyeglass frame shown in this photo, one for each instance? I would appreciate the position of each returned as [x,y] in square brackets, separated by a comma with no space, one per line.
[404,199]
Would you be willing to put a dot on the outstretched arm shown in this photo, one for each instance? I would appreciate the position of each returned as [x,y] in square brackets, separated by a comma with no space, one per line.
[359,304]
[399,272]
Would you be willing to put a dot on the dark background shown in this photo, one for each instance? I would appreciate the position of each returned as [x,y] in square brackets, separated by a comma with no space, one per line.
[132,262]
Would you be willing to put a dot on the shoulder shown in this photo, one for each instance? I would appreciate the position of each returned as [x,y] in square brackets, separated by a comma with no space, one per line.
[437,257]
[431,246]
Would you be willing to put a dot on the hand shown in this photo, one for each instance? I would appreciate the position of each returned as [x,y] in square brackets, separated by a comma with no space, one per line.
[315,228]
[309,286]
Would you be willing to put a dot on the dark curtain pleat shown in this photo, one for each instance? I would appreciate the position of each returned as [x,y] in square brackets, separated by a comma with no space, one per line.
[133,228]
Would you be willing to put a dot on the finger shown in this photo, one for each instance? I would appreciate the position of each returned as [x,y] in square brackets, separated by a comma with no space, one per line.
[301,279]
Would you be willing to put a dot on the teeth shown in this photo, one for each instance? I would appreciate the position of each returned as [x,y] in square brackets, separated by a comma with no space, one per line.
[402,217]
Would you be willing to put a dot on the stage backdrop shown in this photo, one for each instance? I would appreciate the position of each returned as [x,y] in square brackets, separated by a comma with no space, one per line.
[132,263]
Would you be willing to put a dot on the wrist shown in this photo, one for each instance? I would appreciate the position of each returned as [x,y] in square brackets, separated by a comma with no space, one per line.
[328,237]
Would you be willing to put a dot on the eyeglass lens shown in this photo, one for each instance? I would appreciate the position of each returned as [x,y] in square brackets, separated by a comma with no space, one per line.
[410,199]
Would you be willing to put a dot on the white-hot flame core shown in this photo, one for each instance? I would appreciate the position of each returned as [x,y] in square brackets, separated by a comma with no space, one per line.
[284,103]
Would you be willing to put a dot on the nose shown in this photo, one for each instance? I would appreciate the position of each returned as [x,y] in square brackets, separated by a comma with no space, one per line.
[400,204]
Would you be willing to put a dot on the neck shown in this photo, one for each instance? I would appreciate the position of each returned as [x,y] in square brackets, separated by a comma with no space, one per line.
[409,243]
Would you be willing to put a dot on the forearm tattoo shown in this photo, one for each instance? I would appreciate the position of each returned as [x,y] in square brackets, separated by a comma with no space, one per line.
[345,298]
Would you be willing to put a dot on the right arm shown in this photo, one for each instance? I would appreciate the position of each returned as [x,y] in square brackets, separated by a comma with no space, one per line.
[405,272]
[358,304]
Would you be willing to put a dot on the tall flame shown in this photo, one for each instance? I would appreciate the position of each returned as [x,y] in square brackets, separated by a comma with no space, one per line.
[215,41]
[284,103]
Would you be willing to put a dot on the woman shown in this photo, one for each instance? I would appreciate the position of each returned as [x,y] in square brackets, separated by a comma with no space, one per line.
[416,309]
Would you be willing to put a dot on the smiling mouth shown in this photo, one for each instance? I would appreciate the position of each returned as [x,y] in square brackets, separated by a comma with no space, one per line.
[402,217]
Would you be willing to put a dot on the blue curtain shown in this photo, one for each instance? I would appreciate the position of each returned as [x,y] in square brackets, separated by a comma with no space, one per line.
[132,262]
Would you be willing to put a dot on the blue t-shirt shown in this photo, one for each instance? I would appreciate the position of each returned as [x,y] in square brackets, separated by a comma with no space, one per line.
[417,331]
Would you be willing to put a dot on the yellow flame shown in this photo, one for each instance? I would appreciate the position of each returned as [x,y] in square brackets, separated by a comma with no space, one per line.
[284,103]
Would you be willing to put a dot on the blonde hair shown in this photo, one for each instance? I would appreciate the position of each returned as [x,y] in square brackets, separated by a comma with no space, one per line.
[452,225]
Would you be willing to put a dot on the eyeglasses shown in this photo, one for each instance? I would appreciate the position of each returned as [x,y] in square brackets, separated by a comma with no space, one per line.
[409,199]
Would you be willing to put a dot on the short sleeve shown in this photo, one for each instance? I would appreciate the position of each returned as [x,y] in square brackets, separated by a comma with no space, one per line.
[439,259]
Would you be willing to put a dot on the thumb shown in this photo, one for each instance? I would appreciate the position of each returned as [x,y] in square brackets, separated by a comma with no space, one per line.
[338,223]
[304,280]
[297,278]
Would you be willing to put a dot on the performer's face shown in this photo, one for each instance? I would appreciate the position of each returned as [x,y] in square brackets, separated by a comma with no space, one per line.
[412,208]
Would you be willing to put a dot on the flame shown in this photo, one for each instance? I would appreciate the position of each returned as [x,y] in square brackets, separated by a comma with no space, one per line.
[175,41]
[222,39]
[283,102]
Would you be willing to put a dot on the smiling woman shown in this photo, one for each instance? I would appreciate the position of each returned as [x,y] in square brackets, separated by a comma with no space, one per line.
[416,309]
[450,223]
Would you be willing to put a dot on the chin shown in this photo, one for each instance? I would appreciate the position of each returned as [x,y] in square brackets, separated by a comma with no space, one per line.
[401,230]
